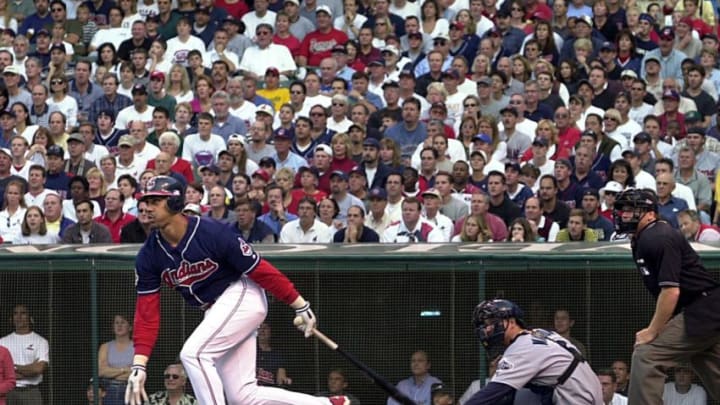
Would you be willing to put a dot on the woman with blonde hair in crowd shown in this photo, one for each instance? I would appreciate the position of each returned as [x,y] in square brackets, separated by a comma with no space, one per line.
[98,186]
[33,230]
[474,229]
[520,230]
[341,147]
[170,143]
[108,166]
[178,84]
[13,212]
[521,70]
[390,154]
[285,178]
[547,130]
[481,67]
[183,121]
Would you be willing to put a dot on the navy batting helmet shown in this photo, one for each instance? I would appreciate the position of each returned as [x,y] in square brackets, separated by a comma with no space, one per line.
[166,186]
[639,201]
[492,313]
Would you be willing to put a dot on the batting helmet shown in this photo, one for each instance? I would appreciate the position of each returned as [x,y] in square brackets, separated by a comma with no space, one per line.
[166,186]
[639,201]
[493,313]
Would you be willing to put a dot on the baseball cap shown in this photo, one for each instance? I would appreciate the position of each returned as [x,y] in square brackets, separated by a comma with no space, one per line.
[646,17]
[377,62]
[339,173]
[431,192]
[407,73]
[267,161]
[324,148]
[238,138]
[226,152]
[157,75]
[282,135]
[339,49]
[590,133]
[76,137]
[671,94]
[202,9]
[584,19]
[312,170]
[442,35]
[591,192]
[667,34]
[628,73]
[642,137]
[540,141]
[485,81]
[482,138]
[153,18]
[377,193]
[324,8]
[42,31]
[265,109]
[262,173]
[613,187]
[126,140]
[58,47]
[211,168]
[513,165]
[696,130]
[139,89]
[686,20]
[53,150]
[452,73]
[392,49]
[272,71]
[230,19]
[359,127]
[652,59]
[295,2]
[608,46]
[480,153]
[11,69]
[693,116]
[371,142]
[192,209]
[8,112]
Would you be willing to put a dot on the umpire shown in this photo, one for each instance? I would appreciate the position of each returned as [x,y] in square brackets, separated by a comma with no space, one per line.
[686,323]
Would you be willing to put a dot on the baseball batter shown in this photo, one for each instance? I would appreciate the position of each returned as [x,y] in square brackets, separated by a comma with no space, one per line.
[216,270]
[542,361]
[686,323]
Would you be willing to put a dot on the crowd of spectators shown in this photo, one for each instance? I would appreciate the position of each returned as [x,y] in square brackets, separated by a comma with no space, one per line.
[357,121]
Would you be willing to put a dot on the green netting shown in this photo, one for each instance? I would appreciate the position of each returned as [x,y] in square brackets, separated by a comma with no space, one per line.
[379,303]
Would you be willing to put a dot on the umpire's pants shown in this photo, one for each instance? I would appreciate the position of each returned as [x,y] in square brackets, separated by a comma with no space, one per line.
[671,348]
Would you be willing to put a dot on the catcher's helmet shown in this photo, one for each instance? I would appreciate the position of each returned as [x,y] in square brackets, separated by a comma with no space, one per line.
[493,313]
[639,201]
[166,186]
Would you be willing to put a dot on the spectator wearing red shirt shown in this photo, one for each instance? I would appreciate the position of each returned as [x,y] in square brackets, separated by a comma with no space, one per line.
[318,44]
[114,218]
[283,36]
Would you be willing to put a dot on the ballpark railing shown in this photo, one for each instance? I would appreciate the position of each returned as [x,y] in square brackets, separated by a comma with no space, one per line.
[380,302]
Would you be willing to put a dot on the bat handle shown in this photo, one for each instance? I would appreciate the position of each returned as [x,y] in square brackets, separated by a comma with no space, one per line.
[323,338]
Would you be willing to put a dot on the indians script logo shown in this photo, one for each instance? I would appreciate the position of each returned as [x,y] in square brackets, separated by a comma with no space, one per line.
[189,273]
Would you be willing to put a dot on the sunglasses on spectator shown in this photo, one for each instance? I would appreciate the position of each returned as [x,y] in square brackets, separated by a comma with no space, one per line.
[171,376]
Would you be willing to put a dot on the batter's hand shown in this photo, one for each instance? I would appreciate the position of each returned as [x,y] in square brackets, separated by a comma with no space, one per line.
[645,336]
[308,319]
[135,392]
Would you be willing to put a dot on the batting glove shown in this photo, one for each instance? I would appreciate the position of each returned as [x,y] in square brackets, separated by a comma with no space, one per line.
[308,317]
[135,392]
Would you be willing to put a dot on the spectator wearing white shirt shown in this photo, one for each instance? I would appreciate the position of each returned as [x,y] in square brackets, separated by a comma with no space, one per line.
[126,161]
[608,384]
[350,22]
[143,150]
[219,51]
[257,59]
[179,47]
[412,228]
[261,15]
[432,201]
[202,149]
[307,228]
[36,187]
[682,391]
[139,111]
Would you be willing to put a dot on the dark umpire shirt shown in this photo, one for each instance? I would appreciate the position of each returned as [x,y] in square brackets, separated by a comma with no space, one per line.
[665,259]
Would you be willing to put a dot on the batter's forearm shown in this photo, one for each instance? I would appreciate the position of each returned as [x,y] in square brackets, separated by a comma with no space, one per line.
[664,308]
[147,324]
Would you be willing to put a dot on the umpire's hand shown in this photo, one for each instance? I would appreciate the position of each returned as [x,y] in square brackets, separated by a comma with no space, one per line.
[135,392]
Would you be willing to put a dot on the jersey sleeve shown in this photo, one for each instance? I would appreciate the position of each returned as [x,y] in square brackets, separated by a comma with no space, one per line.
[667,254]
[518,365]
[238,254]
[147,274]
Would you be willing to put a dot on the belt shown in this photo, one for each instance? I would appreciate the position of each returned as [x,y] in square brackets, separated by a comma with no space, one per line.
[26,388]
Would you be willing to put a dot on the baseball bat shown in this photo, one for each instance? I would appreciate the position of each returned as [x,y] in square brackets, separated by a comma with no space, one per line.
[377,378]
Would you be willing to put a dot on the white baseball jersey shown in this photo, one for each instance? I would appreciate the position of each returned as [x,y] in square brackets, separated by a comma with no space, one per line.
[534,359]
